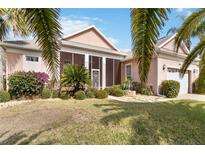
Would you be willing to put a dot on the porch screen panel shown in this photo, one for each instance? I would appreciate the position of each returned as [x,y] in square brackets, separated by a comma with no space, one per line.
[65,58]
[109,72]
[79,59]
[117,72]
[95,62]
[100,71]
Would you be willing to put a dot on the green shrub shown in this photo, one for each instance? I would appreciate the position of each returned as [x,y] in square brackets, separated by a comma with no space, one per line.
[4,96]
[64,95]
[90,94]
[199,86]
[125,85]
[117,86]
[170,88]
[54,93]
[46,93]
[75,77]
[108,90]
[117,92]
[94,90]
[80,95]
[101,94]
[24,84]
[142,88]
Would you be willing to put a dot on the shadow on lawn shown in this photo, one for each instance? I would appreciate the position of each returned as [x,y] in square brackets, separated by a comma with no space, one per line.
[159,123]
[19,138]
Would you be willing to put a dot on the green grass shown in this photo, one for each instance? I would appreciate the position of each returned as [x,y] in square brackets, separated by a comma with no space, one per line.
[94,121]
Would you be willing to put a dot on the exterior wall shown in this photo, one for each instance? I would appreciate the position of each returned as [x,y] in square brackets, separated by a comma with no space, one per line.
[152,76]
[16,61]
[173,62]
[2,67]
[171,46]
[90,37]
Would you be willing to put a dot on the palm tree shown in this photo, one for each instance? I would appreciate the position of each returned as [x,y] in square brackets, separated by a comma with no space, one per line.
[75,78]
[173,30]
[194,25]
[145,27]
[43,24]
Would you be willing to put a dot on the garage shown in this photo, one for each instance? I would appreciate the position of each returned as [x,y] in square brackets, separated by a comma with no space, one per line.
[173,74]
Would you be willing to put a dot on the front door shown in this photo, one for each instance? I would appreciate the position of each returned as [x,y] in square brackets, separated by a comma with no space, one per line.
[96,78]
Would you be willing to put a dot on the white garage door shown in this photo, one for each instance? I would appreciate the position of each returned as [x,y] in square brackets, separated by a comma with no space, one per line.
[173,74]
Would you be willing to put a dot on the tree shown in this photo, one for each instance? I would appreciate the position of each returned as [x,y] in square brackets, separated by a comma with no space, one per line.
[43,24]
[75,77]
[145,27]
[194,25]
[173,30]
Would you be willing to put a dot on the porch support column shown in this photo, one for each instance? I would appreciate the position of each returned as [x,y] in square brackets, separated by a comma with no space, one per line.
[103,72]
[87,61]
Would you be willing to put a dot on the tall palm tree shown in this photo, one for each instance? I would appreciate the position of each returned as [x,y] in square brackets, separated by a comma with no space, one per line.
[43,24]
[194,25]
[145,27]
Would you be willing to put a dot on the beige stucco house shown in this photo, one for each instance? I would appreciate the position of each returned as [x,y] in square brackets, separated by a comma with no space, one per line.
[165,65]
[106,63]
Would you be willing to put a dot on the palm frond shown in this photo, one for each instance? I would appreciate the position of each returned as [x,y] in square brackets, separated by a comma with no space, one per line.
[198,50]
[145,26]
[46,29]
[189,26]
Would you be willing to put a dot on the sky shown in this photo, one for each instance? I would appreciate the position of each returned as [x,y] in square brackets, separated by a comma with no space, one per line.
[113,23]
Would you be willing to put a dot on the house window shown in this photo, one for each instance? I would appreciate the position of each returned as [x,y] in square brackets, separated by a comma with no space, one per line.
[128,72]
[30,58]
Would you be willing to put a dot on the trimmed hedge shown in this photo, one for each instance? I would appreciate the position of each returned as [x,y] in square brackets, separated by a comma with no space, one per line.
[101,94]
[80,95]
[4,96]
[142,88]
[170,88]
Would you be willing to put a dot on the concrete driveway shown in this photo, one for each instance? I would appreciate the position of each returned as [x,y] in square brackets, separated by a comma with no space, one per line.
[192,96]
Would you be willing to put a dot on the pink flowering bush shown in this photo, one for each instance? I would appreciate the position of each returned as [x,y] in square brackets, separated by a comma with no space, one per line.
[42,76]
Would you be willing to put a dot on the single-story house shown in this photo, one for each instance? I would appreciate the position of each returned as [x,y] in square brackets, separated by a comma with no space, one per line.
[165,65]
[107,65]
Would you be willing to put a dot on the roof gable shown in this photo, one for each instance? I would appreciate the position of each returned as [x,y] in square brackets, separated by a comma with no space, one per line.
[169,44]
[91,36]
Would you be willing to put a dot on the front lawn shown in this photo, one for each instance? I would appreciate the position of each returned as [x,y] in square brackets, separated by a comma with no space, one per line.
[93,121]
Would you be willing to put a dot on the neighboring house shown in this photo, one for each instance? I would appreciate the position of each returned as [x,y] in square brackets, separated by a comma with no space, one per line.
[107,65]
[165,65]
[2,68]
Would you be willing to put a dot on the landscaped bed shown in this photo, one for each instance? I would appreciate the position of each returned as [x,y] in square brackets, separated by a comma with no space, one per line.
[94,121]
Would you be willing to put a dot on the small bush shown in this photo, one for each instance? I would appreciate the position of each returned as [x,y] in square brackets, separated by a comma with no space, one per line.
[101,94]
[125,85]
[117,86]
[80,95]
[90,94]
[54,93]
[117,92]
[64,95]
[199,86]
[46,93]
[142,88]
[170,88]
[108,90]
[94,90]
[24,84]
[4,96]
